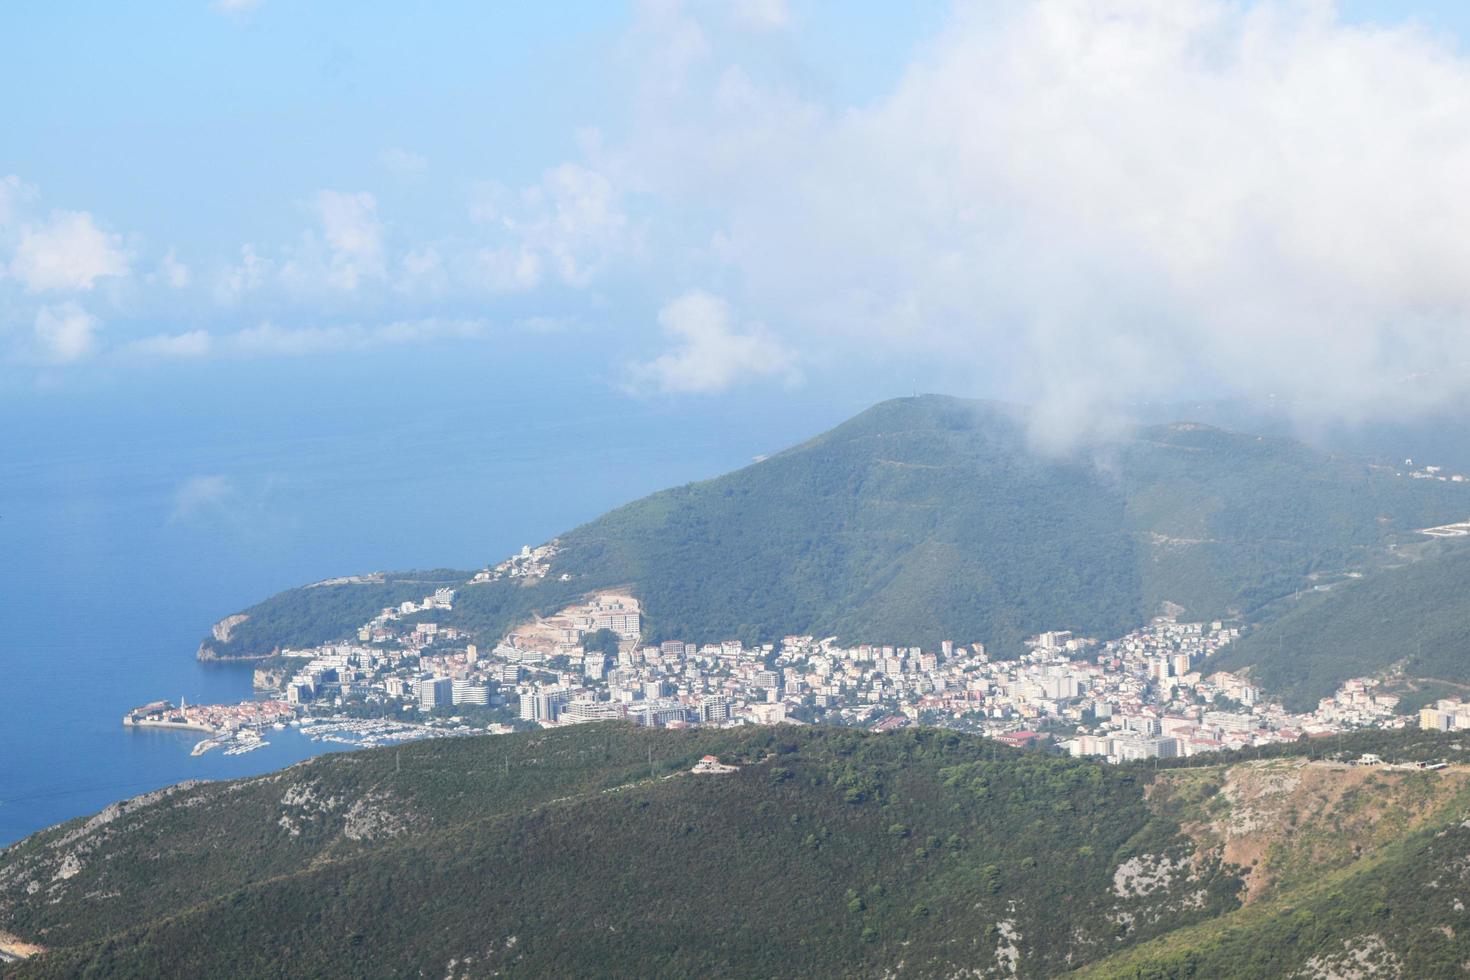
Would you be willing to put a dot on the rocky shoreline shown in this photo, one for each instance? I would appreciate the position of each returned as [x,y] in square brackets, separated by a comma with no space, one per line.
[221,632]
[208,654]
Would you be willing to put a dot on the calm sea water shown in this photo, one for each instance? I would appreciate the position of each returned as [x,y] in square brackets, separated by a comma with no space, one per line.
[132,516]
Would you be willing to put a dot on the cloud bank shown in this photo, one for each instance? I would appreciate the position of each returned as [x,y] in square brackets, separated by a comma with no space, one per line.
[270,340]
[1078,203]
[1106,201]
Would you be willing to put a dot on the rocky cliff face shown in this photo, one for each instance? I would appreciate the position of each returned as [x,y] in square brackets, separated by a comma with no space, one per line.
[208,653]
[221,633]
[222,629]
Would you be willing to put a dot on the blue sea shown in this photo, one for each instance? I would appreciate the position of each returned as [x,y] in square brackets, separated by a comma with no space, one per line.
[137,510]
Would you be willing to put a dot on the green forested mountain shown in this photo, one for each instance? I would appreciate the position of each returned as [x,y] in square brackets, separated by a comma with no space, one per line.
[932,518]
[594,851]
[1417,615]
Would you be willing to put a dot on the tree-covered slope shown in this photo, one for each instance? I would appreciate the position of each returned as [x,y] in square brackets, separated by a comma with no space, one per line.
[1232,521]
[594,851]
[1418,614]
[917,520]
[933,518]
[828,853]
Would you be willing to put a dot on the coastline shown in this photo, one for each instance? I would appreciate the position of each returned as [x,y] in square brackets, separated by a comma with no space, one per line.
[206,654]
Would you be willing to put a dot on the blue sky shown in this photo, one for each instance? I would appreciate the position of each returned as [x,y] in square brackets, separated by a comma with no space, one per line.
[1078,204]
[203,126]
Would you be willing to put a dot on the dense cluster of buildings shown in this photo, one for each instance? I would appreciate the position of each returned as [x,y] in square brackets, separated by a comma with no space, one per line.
[529,563]
[1154,696]
[212,718]
[1150,694]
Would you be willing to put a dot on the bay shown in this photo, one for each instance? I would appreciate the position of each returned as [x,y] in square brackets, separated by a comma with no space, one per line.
[130,520]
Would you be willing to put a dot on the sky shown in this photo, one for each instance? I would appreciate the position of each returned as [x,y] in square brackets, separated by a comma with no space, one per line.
[1080,204]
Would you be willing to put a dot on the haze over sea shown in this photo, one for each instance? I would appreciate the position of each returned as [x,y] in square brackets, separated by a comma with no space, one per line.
[124,533]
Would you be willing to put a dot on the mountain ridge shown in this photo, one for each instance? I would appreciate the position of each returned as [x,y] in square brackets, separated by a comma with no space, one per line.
[818,851]
[932,518]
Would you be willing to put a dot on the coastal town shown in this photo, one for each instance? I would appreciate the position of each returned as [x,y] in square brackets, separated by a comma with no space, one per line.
[1148,695]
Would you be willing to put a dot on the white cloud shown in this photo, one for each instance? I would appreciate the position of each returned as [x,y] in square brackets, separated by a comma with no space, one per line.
[244,277]
[422,271]
[190,344]
[545,324]
[13,194]
[709,353]
[761,14]
[581,223]
[487,201]
[269,340]
[65,333]
[172,272]
[426,331]
[400,161]
[506,269]
[671,44]
[347,249]
[234,7]
[567,227]
[1104,200]
[352,231]
[67,252]
[198,496]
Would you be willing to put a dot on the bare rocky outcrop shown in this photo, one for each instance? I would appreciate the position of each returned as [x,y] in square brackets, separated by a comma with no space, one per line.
[13,948]
[371,819]
[1364,958]
[222,633]
[1145,874]
[221,630]
[1285,819]
[269,678]
[1007,948]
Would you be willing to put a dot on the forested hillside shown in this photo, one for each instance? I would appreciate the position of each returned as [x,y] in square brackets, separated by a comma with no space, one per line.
[933,518]
[1418,614]
[316,614]
[828,852]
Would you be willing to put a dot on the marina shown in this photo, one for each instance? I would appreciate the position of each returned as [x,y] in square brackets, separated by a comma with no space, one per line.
[233,743]
[365,733]
[352,733]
